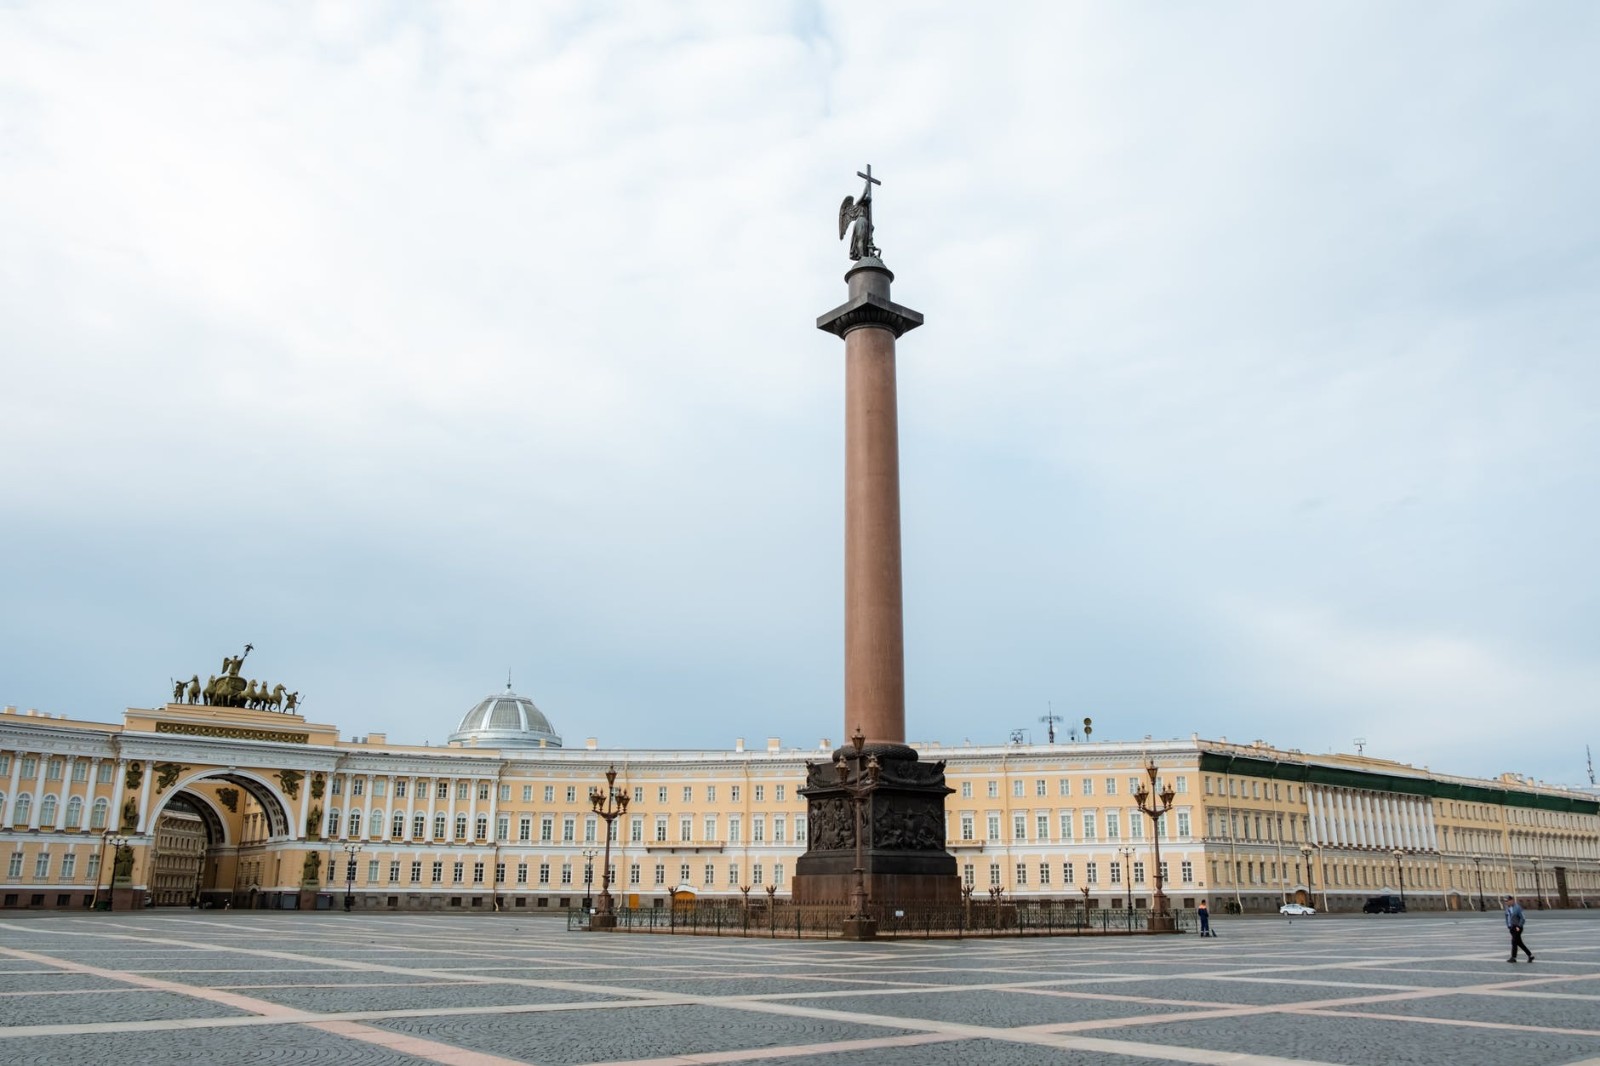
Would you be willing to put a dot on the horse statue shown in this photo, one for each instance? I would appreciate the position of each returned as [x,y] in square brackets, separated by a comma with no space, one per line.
[251,696]
[274,699]
[209,693]
[193,693]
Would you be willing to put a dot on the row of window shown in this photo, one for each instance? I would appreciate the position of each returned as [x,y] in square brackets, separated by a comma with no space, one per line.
[1068,873]
[479,826]
[543,873]
[466,789]
[1180,785]
[54,768]
[43,860]
[1068,821]
[49,807]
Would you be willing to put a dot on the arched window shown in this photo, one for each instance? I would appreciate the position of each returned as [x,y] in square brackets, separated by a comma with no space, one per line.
[438,827]
[97,813]
[75,812]
[24,809]
[398,829]
[355,823]
[461,827]
[333,822]
[376,824]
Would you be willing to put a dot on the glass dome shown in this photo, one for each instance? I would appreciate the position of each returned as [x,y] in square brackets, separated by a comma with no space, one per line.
[506,720]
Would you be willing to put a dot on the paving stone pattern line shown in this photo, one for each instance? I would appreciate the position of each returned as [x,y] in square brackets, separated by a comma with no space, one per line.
[1421,989]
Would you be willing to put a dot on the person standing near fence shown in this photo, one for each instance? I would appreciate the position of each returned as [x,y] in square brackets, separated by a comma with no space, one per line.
[1204,914]
[1514,922]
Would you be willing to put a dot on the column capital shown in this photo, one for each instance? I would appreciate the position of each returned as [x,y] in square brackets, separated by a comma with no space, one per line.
[870,309]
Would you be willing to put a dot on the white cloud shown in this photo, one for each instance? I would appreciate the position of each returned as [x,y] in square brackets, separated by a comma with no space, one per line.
[488,331]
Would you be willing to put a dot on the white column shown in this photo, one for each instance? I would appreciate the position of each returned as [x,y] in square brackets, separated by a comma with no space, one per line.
[494,807]
[366,814]
[433,800]
[89,795]
[450,811]
[411,807]
[38,792]
[297,831]
[11,791]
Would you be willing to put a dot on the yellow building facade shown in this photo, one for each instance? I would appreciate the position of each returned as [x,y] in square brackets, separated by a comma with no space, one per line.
[286,814]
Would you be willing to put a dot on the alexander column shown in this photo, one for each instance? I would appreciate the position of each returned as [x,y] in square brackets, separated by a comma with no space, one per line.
[902,807]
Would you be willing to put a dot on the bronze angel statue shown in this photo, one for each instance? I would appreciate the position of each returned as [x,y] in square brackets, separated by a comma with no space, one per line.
[860,211]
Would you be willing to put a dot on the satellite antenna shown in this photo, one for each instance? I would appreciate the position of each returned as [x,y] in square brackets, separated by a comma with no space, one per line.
[1361,745]
[1050,719]
[1016,736]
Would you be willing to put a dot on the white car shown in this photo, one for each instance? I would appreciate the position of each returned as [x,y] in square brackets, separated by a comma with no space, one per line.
[1295,908]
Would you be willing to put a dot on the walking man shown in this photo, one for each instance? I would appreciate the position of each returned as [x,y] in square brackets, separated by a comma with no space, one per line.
[1204,914]
[1514,922]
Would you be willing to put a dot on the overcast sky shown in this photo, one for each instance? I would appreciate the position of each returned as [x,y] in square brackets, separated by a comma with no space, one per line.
[1258,395]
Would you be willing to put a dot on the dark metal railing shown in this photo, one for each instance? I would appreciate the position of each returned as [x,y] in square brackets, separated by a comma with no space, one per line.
[781,918]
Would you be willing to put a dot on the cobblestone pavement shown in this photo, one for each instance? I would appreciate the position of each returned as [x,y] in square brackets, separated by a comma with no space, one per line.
[480,990]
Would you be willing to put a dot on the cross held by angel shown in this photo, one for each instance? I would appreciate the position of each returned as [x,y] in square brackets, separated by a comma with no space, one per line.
[859,211]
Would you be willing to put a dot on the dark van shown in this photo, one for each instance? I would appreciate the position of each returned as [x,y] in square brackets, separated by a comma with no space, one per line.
[1384,905]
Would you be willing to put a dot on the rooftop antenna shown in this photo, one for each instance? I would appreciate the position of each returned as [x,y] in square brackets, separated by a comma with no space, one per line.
[1361,745]
[1590,756]
[508,679]
[1050,719]
[1016,736]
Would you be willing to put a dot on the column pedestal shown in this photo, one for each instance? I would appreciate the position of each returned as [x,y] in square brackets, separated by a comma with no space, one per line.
[902,845]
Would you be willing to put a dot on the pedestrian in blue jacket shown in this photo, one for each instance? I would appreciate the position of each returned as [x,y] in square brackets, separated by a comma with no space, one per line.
[1514,922]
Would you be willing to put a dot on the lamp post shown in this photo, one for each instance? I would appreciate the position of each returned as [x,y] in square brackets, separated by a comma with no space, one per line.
[117,843]
[1085,891]
[351,850]
[610,804]
[1538,888]
[588,878]
[1146,800]
[858,786]
[1311,888]
[1400,875]
[1478,865]
[1127,876]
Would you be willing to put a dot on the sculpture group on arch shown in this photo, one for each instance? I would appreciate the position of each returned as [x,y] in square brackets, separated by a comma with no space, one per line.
[228,689]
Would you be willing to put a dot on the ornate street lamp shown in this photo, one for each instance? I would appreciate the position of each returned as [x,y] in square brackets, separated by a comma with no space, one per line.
[609,804]
[351,850]
[1400,875]
[1127,877]
[1311,885]
[1538,887]
[1477,863]
[588,878]
[858,786]
[1160,920]
[1085,891]
[116,843]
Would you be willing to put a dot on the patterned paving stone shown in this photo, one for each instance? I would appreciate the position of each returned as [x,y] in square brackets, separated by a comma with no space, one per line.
[125,1006]
[1555,1012]
[276,1045]
[1003,1010]
[1369,1041]
[52,981]
[600,1035]
[965,1053]
[418,997]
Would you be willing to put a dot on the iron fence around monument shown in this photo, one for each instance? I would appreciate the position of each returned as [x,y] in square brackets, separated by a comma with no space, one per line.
[781,918]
